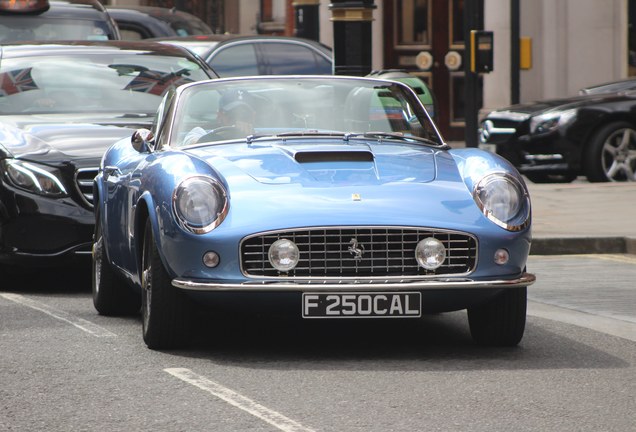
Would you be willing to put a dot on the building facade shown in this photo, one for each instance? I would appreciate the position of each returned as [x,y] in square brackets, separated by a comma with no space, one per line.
[572,43]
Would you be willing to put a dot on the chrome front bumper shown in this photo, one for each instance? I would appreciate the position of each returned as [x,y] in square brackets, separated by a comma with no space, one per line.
[526,279]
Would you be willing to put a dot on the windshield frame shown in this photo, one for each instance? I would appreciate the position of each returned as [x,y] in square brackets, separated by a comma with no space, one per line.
[180,118]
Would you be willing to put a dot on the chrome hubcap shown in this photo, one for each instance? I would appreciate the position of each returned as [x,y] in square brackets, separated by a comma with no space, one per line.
[146,286]
[619,155]
[97,260]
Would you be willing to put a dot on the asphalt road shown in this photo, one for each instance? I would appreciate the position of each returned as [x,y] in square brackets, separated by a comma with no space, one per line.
[65,368]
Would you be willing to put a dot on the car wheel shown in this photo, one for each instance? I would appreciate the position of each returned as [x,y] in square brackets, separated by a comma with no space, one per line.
[550,178]
[501,321]
[611,155]
[165,310]
[111,295]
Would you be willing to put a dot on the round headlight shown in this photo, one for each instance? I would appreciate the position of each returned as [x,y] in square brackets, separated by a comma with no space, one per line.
[200,204]
[430,253]
[503,200]
[283,255]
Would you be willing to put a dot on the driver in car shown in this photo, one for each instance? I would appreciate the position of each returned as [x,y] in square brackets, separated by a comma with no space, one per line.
[235,119]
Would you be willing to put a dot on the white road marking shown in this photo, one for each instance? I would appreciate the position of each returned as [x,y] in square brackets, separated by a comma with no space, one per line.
[233,398]
[80,323]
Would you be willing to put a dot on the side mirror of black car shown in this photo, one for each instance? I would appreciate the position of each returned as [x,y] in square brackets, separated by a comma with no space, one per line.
[141,140]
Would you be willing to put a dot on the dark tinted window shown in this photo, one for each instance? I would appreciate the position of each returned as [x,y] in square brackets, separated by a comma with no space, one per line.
[130,31]
[42,27]
[235,60]
[190,27]
[291,58]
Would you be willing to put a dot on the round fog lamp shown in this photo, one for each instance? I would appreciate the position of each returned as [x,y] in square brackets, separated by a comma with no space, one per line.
[283,255]
[211,259]
[430,253]
[501,256]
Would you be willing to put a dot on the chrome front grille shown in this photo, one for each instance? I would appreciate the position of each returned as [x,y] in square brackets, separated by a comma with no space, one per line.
[84,182]
[382,252]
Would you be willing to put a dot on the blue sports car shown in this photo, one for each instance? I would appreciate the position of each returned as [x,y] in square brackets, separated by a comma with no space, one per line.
[335,193]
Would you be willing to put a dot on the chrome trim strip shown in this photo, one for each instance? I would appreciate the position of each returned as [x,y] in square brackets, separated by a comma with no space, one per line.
[81,182]
[544,157]
[524,280]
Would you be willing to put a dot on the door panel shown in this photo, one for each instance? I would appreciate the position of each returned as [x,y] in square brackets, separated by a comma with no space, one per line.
[426,38]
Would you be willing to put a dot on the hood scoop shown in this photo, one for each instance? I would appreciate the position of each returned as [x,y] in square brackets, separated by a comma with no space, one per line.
[333,156]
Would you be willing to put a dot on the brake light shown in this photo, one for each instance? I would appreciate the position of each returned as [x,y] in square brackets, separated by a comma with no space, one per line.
[23,6]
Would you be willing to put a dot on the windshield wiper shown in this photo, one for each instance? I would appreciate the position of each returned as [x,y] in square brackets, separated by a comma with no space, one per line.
[346,136]
[314,133]
[393,135]
[136,115]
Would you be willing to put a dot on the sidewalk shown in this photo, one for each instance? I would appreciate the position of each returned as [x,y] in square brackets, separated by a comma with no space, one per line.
[582,217]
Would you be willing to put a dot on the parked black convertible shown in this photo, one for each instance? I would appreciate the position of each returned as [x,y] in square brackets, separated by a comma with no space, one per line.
[558,140]
[61,106]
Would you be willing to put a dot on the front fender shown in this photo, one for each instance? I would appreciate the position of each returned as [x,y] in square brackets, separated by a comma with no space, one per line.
[473,164]
[154,205]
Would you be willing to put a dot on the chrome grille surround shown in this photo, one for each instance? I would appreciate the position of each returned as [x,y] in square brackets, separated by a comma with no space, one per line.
[84,183]
[388,252]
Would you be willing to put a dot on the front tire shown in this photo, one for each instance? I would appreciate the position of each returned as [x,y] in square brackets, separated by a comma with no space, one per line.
[166,312]
[502,320]
[111,295]
[611,155]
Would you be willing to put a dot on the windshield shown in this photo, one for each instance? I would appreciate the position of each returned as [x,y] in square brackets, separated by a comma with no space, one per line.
[113,82]
[25,28]
[257,108]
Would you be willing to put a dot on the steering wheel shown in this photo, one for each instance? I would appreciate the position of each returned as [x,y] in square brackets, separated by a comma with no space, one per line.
[220,133]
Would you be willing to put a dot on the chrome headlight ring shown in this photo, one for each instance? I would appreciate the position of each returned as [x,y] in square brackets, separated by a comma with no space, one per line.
[200,204]
[504,200]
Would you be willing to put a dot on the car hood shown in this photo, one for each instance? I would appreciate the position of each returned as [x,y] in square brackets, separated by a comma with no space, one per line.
[314,163]
[312,184]
[55,137]
[539,107]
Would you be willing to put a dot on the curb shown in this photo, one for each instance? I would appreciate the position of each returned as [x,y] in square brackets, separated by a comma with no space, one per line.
[583,245]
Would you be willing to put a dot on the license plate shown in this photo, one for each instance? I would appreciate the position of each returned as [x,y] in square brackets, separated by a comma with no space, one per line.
[362,305]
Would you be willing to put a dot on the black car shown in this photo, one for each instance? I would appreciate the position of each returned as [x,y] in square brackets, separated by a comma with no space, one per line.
[235,55]
[558,140]
[55,20]
[61,106]
[144,22]
[611,87]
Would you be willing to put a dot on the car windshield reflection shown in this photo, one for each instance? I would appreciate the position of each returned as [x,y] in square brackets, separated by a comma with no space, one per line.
[69,84]
[282,107]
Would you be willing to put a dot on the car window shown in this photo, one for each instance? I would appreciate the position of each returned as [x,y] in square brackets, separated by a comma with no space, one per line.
[133,31]
[190,27]
[100,83]
[292,58]
[22,28]
[235,60]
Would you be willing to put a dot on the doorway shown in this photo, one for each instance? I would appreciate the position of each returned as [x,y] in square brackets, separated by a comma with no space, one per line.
[426,38]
